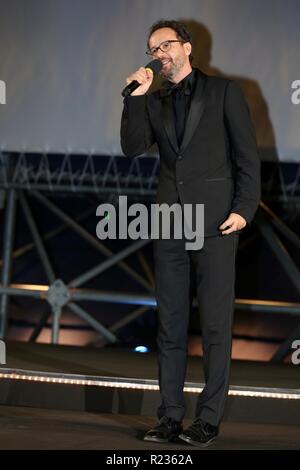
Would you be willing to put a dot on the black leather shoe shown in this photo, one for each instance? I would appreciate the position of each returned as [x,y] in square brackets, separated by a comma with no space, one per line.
[167,430]
[200,433]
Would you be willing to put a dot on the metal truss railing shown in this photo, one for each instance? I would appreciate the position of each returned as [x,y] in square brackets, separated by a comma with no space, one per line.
[116,174]
[80,173]
[44,176]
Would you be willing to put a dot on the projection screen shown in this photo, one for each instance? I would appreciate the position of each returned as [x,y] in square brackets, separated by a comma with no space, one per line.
[63,64]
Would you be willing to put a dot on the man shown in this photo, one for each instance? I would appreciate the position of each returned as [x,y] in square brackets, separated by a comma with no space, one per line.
[208,155]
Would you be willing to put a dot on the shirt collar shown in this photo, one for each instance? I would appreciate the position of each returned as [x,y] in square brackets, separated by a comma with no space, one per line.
[185,85]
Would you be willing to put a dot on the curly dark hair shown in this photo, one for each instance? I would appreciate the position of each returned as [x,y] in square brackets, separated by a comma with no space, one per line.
[180,29]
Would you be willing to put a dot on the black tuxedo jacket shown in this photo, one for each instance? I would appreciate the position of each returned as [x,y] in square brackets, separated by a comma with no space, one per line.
[217,163]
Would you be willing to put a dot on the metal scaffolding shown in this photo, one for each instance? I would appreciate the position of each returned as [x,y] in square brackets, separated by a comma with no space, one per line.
[41,176]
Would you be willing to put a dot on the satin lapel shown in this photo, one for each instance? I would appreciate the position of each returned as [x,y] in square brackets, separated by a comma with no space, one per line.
[196,110]
[168,120]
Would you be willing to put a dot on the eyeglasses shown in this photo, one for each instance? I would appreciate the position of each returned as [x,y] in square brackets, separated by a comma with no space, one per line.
[164,46]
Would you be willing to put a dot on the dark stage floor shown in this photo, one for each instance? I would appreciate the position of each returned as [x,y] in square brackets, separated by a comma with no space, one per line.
[31,428]
[49,415]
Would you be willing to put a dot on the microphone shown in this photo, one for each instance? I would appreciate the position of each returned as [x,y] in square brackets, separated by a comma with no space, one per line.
[155,66]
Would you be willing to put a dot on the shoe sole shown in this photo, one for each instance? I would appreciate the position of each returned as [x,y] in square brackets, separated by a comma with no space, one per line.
[161,441]
[188,440]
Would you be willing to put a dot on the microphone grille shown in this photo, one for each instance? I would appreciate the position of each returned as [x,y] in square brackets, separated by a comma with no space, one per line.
[155,65]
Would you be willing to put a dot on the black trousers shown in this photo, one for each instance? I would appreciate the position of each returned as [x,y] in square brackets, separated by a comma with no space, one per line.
[214,268]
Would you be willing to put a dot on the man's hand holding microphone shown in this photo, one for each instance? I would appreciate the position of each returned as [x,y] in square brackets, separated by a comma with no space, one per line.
[140,81]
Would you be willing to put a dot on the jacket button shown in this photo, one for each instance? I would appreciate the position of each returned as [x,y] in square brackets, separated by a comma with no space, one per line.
[180,157]
[180,182]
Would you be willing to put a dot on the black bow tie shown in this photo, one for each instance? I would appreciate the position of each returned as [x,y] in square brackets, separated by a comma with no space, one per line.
[182,88]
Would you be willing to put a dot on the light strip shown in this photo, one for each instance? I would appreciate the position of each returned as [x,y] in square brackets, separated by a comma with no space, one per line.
[138,384]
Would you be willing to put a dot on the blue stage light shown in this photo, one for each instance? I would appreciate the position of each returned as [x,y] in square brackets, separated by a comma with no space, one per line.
[141,349]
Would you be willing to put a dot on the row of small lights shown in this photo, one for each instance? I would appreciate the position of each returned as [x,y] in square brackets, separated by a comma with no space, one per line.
[128,385]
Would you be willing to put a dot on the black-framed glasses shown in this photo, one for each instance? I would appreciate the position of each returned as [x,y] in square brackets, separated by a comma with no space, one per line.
[164,46]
